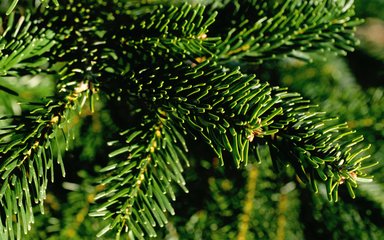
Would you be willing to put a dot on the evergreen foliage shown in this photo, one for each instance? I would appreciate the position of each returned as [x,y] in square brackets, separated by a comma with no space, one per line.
[138,94]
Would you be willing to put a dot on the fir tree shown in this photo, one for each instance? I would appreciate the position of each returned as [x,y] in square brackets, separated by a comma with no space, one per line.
[127,105]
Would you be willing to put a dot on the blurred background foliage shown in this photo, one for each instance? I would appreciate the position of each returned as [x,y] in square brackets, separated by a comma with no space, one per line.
[225,203]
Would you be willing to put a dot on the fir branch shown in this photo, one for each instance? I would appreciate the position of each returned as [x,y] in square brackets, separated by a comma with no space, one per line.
[27,152]
[21,45]
[168,69]
[316,142]
[262,30]
[135,188]
[173,32]
[231,109]
[94,37]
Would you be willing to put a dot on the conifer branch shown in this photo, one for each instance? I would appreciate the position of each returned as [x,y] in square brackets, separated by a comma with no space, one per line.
[27,153]
[244,109]
[21,45]
[262,30]
[136,187]
[174,73]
